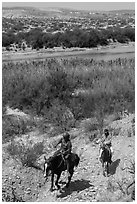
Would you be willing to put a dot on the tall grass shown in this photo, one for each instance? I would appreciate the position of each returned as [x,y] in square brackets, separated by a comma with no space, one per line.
[109,86]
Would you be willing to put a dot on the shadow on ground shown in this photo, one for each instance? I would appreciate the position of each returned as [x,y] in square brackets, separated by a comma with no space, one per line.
[114,166]
[78,185]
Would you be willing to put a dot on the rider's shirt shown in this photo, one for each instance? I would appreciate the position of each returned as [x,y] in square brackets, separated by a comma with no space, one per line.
[105,141]
[66,146]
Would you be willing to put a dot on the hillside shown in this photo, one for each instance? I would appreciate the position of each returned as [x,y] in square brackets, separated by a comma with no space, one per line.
[58,12]
[88,183]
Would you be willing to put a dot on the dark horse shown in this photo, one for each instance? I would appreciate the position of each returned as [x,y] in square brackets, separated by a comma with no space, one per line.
[106,159]
[56,165]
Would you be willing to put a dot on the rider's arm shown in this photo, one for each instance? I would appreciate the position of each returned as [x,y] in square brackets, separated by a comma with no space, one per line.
[58,143]
[101,142]
[69,147]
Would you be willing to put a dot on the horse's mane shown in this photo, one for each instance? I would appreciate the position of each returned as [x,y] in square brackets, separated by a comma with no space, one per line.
[53,158]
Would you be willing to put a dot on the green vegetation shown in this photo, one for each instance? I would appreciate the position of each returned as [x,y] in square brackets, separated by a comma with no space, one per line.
[76,38]
[15,125]
[26,154]
[107,87]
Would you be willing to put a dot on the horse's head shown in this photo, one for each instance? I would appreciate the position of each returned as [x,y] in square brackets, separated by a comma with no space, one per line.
[47,167]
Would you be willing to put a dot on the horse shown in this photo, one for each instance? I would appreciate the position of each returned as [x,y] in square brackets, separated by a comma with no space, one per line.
[56,165]
[106,159]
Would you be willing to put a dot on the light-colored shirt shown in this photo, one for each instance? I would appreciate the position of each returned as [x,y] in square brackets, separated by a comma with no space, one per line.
[106,140]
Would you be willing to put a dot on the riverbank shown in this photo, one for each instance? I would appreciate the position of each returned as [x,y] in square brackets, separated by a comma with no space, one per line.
[115,50]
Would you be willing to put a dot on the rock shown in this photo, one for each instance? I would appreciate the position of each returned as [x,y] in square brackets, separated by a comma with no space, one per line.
[28,191]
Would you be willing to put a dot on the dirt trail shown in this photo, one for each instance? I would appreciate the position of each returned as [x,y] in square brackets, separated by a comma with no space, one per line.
[88,184]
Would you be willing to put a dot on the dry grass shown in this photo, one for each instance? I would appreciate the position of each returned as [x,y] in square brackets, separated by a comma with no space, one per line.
[26,154]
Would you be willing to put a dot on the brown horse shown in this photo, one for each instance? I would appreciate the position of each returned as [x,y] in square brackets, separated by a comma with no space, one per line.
[106,159]
[56,165]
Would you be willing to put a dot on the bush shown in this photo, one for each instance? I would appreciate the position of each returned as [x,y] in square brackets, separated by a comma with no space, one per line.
[91,125]
[15,125]
[60,115]
[27,154]
[108,86]
[12,127]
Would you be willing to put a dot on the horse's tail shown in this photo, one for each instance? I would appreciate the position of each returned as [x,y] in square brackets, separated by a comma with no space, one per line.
[77,159]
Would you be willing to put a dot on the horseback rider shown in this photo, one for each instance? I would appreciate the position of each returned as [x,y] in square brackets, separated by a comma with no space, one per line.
[105,142]
[65,149]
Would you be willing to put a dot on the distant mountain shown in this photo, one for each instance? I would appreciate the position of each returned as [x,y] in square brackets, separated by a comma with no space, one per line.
[54,12]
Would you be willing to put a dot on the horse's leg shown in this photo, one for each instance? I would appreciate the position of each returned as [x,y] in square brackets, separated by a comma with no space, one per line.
[104,168]
[108,166]
[71,171]
[56,183]
[52,182]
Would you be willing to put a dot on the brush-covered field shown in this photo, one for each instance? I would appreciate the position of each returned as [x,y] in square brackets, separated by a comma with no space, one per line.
[83,85]
[42,99]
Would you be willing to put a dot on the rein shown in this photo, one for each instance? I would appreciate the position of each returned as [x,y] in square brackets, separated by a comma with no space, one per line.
[60,162]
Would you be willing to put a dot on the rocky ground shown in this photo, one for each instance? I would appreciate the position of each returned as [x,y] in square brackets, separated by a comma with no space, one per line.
[88,182]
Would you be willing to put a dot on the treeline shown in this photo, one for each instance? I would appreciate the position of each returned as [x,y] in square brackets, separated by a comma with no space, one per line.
[36,38]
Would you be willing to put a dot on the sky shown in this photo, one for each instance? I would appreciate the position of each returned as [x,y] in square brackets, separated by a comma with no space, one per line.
[107,5]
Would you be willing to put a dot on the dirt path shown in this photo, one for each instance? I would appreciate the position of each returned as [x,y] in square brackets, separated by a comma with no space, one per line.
[88,184]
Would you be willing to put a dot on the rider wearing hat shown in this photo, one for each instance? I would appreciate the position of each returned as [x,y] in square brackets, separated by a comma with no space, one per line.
[65,149]
[105,141]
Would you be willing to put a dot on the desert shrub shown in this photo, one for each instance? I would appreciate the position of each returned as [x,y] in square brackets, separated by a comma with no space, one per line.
[90,125]
[60,115]
[11,127]
[26,154]
[35,85]
[60,83]
[118,189]
[93,135]
[117,116]
[15,125]
[110,85]
[116,131]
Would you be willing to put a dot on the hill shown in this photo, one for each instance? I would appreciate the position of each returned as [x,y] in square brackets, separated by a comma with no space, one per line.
[88,183]
[57,12]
